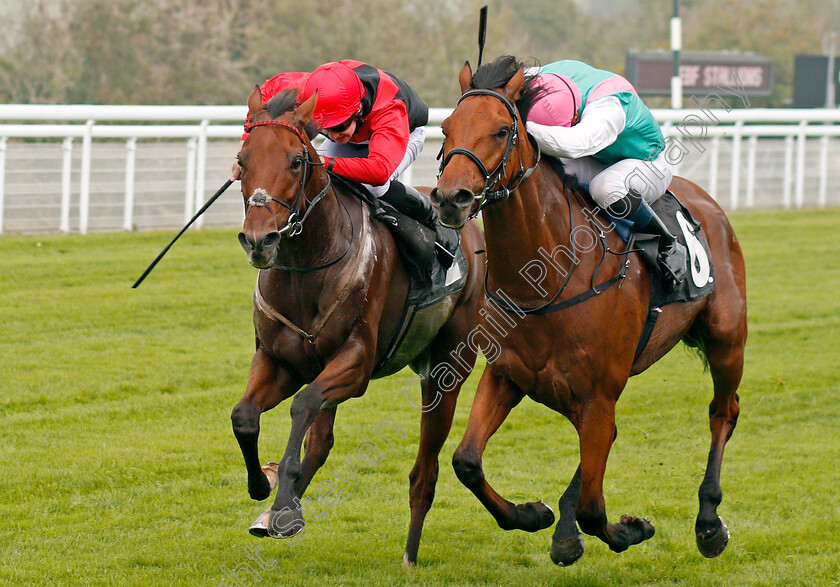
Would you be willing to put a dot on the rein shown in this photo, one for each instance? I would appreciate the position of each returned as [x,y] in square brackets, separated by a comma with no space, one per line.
[293,226]
[494,190]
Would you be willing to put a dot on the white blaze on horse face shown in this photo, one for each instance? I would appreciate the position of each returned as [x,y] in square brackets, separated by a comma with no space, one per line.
[258,198]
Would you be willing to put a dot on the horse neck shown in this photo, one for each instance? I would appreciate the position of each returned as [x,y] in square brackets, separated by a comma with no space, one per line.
[326,234]
[528,227]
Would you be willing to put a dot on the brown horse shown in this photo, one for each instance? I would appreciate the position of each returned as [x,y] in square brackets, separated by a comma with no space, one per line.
[329,299]
[576,361]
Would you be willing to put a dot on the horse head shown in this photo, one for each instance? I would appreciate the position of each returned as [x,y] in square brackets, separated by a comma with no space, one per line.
[484,130]
[276,160]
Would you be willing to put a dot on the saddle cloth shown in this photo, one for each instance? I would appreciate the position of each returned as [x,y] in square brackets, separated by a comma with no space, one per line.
[700,279]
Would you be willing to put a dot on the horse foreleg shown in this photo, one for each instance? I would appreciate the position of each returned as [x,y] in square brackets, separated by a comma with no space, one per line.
[268,385]
[316,448]
[726,366]
[494,399]
[343,377]
[596,429]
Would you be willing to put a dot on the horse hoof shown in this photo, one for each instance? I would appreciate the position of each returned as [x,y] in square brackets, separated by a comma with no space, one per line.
[641,525]
[534,516]
[407,563]
[285,523]
[260,526]
[270,472]
[566,552]
[712,542]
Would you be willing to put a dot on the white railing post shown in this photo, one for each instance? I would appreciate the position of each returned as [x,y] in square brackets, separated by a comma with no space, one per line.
[66,175]
[201,168]
[130,155]
[752,147]
[2,180]
[824,144]
[735,178]
[84,191]
[189,193]
[713,167]
[788,170]
[800,165]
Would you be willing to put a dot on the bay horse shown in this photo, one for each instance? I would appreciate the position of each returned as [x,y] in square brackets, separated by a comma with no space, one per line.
[329,299]
[576,360]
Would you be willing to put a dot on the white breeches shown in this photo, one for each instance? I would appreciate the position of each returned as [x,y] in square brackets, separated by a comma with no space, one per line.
[608,184]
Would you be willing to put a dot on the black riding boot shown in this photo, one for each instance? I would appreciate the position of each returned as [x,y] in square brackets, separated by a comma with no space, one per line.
[673,256]
[414,204]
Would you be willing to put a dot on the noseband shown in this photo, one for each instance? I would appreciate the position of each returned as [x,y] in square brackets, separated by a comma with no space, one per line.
[260,197]
[494,190]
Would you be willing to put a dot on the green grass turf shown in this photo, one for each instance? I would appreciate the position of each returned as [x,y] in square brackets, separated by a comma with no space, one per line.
[119,466]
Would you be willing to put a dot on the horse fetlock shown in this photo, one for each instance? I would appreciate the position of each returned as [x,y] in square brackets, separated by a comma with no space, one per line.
[591,522]
[259,488]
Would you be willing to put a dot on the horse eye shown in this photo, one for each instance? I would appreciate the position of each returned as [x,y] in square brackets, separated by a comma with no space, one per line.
[297,163]
[503,133]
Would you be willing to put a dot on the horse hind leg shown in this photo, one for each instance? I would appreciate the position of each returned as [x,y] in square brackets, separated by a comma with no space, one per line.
[726,363]
[566,544]
[438,410]
[494,399]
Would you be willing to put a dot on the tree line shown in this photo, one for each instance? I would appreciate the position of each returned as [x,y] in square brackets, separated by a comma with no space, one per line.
[215,51]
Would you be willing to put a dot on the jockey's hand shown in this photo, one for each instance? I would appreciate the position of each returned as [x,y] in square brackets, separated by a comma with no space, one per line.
[235,171]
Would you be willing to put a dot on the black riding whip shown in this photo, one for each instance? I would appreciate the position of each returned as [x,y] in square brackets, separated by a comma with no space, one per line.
[212,199]
[482,32]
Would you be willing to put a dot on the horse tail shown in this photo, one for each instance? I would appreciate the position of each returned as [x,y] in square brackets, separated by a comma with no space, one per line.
[696,345]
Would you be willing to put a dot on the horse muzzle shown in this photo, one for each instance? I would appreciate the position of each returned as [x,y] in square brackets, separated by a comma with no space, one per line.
[454,208]
[261,250]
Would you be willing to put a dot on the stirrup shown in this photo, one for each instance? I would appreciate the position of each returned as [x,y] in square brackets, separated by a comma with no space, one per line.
[674,271]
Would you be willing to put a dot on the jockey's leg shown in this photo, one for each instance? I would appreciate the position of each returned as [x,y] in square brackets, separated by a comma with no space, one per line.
[626,190]
[417,205]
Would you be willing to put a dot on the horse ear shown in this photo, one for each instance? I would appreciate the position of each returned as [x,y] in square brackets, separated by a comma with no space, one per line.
[513,89]
[465,78]
[254,102]
[303,113]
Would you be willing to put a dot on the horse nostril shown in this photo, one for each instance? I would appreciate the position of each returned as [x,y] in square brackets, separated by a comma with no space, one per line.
[270,241]
[247,243]
[463,198]
[436,197]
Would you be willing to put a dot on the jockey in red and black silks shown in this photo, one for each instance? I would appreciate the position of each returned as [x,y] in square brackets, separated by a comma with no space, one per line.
[374,124]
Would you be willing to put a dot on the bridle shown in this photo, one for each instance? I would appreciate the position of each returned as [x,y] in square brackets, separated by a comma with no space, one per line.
[260,197]
[293,226]
[494,189]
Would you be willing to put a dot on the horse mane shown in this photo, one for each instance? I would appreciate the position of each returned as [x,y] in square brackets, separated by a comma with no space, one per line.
[495,75]
[287,101]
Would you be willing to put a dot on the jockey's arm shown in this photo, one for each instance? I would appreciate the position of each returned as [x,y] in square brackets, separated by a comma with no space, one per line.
[600,124]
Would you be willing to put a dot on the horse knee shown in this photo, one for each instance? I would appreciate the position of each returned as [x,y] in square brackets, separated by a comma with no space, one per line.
[245,419]
[468,468]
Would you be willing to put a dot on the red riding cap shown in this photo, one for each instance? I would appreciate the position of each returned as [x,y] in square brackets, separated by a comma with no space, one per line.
[340,93]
